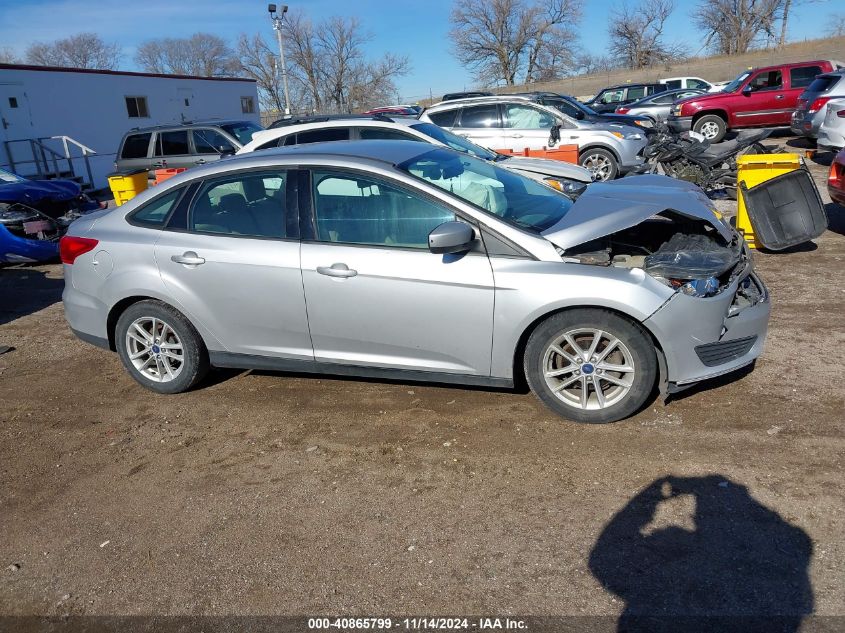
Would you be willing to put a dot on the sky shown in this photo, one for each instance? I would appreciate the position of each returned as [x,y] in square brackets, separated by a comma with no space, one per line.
[416,29]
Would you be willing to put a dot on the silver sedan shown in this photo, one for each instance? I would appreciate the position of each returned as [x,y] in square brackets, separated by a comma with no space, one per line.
[408,261]
[657,107]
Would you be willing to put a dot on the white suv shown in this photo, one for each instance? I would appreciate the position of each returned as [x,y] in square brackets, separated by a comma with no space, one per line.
[565,177]
[513,122]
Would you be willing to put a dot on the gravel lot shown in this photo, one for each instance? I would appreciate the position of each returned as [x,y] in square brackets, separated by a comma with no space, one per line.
[266,493]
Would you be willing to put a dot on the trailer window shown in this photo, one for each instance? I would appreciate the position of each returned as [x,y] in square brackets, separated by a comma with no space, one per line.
[136,107]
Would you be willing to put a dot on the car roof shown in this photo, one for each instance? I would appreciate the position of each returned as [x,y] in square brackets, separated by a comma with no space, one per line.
[187,124]
[631,85]
[793,65]
[396,122]
[392,152]
[454,103]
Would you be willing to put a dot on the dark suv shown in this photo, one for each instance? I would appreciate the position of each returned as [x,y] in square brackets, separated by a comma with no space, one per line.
[181,144]
[611,98]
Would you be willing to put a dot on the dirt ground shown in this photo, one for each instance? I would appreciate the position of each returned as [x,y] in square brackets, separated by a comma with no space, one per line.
[266,493]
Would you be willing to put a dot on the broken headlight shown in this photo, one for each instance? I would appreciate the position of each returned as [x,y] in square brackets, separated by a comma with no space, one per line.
[700,287]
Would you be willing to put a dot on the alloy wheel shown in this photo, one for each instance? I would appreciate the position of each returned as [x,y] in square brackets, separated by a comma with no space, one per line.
[154,349]
[709,130]
[599,164]
[588,368]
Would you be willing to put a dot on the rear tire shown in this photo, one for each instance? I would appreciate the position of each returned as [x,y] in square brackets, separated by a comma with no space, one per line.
[586,380]
[160,348]
[712,127]
[601,162]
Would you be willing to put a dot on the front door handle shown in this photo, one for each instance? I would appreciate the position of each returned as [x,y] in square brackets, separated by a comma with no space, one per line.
[188,258]
[201,161]
[337,270]
[778,96]
[516,135]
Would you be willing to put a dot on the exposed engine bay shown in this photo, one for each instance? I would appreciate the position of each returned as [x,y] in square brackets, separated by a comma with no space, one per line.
[687,254]
[27,222]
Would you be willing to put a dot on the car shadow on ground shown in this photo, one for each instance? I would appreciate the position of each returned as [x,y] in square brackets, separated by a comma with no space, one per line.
[699,554]
[24,290]
[835,217]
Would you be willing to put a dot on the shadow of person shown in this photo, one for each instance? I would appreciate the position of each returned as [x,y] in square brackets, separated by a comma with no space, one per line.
[700,554]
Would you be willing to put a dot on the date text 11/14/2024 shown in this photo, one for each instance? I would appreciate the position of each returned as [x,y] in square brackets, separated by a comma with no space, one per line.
[417,624]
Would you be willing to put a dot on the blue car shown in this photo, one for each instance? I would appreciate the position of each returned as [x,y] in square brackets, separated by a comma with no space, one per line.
[34,214]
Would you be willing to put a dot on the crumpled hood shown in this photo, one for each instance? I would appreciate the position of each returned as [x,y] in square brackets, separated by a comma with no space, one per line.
[608,207]
[33,191]
[548,167]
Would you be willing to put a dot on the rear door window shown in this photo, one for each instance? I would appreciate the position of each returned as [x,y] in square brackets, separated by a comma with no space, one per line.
[697,83]
[525,117]
[250,204]
[480,116]
[136,145]
[173,143]
[674,84]
[324,135]
[803,77]
[637,92]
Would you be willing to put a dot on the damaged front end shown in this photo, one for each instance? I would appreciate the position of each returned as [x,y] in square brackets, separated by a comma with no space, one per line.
[28,235]
[716,320]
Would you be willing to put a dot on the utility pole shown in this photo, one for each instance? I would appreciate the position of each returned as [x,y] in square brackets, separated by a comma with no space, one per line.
[277,26]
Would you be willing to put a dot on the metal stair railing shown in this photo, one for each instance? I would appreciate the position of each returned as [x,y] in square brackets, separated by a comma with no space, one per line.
[42,155]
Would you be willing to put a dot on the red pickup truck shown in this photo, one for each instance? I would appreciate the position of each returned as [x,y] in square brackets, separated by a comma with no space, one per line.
[760,97]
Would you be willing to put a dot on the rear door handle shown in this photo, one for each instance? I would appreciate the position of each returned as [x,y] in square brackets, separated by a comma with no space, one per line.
[516,135]
[778,96]
[201,161]
[188,258]
[337,270]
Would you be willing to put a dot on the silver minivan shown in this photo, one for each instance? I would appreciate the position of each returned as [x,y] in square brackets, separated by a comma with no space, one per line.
[414,262]
[181,145]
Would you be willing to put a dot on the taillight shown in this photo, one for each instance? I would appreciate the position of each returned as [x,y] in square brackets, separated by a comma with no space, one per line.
[71,247]
[841,114]
[835,179]
[818,104]
[622,110]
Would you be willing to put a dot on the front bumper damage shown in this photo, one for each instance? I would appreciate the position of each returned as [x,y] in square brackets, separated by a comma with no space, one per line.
[711,336]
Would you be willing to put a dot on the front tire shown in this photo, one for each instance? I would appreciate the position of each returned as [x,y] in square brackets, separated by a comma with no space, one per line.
[600,162]
[591,365]
[712,127]
[160,348]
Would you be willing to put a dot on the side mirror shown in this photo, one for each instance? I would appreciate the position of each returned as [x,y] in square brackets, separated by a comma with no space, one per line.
[451,237]
[747,90]
[226,150]
[580,115]
[554,135]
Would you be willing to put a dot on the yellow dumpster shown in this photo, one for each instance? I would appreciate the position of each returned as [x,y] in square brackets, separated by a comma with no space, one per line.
[752,169]
[127,186]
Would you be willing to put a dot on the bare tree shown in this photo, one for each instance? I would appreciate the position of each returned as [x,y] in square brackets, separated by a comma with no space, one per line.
[202,55]
[260,62]
[507,40]
[837,25]
[83,50]
[329,69]
[588,64]
[636,34]
[8,55]
[733,26]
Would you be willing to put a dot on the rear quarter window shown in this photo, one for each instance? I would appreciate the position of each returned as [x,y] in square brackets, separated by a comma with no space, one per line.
[443,119]
[154,214]
[136,146]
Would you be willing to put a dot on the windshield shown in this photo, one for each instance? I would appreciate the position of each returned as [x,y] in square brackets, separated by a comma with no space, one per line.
[513,198]
[736,83]
[454,141]
[583,107]
[243,130]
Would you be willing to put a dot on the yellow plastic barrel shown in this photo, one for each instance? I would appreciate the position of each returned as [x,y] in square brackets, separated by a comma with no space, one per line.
[126,186]
[752,169]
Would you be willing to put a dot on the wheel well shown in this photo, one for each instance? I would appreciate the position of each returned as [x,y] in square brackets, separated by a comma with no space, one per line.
[519,353]
[719,113]
[581,151]
[115,312]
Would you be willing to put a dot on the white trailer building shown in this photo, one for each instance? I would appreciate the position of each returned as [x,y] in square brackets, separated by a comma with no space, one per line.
[68,122]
